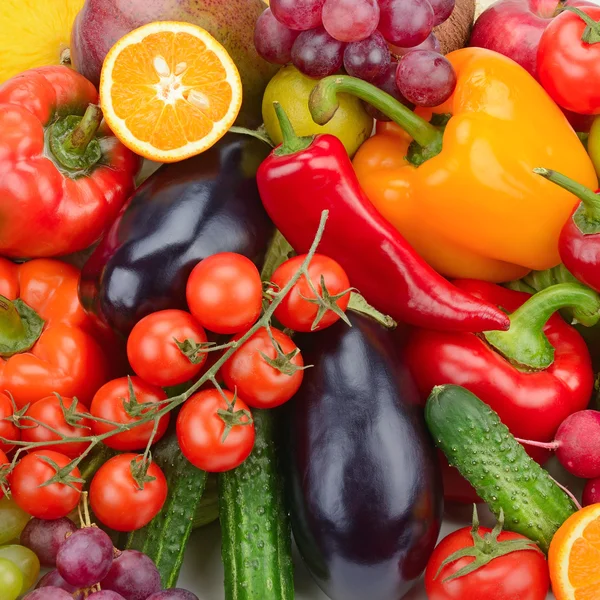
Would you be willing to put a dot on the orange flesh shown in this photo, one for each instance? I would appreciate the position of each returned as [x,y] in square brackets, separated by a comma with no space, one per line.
[584,563]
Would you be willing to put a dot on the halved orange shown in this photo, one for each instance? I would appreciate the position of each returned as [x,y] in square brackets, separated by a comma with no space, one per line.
[169,90]
[574,556]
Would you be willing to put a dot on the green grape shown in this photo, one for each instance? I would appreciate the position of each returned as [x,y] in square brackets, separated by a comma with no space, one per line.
[11,580]
[27,562]
[12,521]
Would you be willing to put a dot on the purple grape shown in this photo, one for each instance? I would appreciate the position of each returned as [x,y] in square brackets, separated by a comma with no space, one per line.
[105,595]
[298,14]
[48,593]
[405,23]
[425,78]
[173,594]
[44,537]
[431,43]
[54,580]
[133,575]
[316,54]
[85,557]
[273,40]
[368,59]
[388,85]
[442,9]
[350,20]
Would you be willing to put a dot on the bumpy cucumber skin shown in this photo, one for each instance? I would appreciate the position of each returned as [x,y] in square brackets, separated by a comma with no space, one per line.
[98,455]
[165,537]
[481,447]
[256,546]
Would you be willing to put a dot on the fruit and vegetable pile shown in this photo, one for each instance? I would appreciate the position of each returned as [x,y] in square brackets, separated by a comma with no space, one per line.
[311,269]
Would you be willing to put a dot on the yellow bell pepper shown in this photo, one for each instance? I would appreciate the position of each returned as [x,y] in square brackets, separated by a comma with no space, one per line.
[474,208]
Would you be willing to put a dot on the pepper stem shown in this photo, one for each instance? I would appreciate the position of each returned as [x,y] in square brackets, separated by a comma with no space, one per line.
[291,142]
[84,133]
[525,343]
[20,327]
[587,215]
[591,34]
[324,103]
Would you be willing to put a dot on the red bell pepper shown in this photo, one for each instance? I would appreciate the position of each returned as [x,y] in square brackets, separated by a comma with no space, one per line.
[47,342]
[579,242]
[63,175]
[534,375]
[305,176]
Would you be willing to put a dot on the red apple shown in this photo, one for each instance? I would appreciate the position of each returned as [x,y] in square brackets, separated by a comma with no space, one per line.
[514,28]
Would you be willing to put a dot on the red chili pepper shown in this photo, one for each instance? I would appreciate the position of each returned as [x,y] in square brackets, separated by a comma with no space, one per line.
[534,375]
[579,242]
[63,178]
[305,176]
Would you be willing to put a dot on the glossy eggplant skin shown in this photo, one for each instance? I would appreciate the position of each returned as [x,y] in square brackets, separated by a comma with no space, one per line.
[364,487]
[183,213]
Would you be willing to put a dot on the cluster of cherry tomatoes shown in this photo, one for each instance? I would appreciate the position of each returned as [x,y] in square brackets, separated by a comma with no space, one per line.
[215,430]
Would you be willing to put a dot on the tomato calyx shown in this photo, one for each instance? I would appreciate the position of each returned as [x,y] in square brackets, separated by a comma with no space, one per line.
[591,34]
[139,470]
[193,350]
[133,408]
[70,414]
[63,474]
[326,302]
[20,327]
[359,305]
[233,418]
[485,548]
[283,362]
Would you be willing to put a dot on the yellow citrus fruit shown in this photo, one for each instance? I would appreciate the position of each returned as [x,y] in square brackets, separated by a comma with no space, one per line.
[169,90]
[34,33]
[574,556]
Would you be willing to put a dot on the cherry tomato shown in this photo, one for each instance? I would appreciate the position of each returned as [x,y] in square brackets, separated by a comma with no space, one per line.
[8,430]
[48,411]
[116,497]
[200,431]
[257,382]
[111,403]
[224,293]
[44,501]
[523,574]
[153,353]
[299,314]
[3,461]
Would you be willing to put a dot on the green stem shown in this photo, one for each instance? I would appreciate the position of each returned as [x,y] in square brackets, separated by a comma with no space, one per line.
[291,142]
[524,343]
[20,327]
[11,324]
[591,34]
[85,132]
[324,103]
[587,215]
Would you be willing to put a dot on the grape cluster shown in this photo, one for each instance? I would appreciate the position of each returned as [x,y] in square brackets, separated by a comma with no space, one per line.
[370,39]
[85,557]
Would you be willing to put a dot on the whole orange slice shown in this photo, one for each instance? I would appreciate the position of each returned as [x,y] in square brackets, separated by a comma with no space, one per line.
[574,556]
[169,90]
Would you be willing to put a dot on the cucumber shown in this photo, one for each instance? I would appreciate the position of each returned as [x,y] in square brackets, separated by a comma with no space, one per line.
[256,546]
[482,448]
[98,455]
[165,537]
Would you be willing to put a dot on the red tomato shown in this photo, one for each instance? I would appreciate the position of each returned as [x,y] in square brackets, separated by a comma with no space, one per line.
[110,403]
[521,575]
[48,411]
[8,430]
[257,382]
[224,293]
[153,353]
[3,461]
[295,311]
[44,501]
[568,67]
[200,432]
[116,497]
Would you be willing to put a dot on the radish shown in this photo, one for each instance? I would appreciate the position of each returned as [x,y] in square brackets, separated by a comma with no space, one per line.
[591,492]
[577,444]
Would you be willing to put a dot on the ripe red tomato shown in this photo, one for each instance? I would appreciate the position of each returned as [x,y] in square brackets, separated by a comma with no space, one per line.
[153,353]
[116,497]
[48,411]
[257,382]
[110,403]
[224,293]
[297,313]
[44,501]
[8,430]
[200,432]
[523,574]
